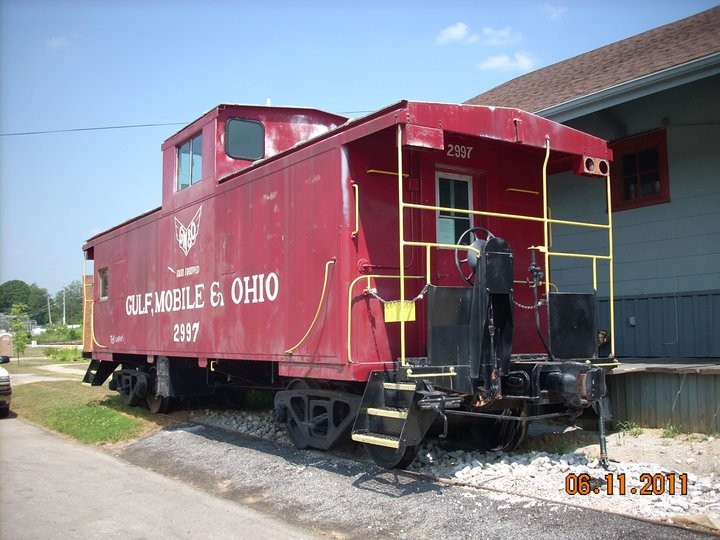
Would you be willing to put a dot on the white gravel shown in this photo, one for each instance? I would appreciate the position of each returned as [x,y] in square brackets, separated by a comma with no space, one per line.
[537,474]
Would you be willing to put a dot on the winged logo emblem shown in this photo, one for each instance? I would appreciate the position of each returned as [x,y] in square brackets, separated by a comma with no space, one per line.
[186,236]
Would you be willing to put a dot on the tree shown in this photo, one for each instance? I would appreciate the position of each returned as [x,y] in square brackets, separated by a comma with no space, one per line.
[73,302]
[12,292]
[19,328]
[37,304]
[35,298]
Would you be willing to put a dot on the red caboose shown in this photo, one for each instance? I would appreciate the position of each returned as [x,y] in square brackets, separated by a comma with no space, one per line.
[384,274]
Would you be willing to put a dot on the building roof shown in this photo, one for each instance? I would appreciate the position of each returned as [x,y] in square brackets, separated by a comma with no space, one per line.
[658,50]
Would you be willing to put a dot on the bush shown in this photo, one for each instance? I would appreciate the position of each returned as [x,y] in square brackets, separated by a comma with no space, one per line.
[63,355]
[58,332]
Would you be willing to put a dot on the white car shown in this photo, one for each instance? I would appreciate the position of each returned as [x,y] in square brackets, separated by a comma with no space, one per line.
[5,388]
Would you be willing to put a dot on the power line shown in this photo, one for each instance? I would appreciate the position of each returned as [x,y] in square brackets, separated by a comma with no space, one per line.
[97,128]
[129,126]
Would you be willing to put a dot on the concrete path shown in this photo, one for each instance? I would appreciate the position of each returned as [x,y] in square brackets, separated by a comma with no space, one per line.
[56,488]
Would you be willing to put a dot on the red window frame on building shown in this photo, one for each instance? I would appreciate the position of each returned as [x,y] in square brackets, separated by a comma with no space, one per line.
[639,171]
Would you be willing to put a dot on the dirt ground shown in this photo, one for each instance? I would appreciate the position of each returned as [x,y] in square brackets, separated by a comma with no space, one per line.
[693,453]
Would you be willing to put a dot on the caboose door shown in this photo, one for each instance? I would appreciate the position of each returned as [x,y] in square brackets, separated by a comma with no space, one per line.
[458,192]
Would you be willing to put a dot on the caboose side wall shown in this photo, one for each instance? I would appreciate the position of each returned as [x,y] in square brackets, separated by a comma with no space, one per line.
[247,283]
[116,253]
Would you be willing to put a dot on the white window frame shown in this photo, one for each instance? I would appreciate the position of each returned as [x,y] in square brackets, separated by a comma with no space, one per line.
[440,231]
[193,142]
[103,276]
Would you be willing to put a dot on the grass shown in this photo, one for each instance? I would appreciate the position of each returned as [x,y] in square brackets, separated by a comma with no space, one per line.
[630,428]
[670,432]
[561,448]
[89,414]
[63,354]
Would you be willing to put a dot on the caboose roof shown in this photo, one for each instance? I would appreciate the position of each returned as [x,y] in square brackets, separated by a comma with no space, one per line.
[431,119]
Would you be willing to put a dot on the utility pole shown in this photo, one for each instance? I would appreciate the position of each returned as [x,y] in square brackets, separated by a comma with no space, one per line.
[64,308]
[49,312]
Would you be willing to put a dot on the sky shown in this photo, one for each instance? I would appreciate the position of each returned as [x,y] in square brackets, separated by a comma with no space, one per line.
[74,74]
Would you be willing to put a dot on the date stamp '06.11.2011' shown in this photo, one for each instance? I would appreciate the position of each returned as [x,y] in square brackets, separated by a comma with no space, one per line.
[616,484]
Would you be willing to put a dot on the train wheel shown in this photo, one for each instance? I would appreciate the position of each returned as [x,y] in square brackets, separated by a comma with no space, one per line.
[391,458]
[127,392]
[156,404]
[504,435]
[298,415]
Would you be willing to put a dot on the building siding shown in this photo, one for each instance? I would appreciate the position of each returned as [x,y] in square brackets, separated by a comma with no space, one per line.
[665,325]
[689,402]
[666,256]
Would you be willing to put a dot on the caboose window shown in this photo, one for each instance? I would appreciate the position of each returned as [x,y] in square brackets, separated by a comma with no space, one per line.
[639,172]
[103,276]
[453,191]
[189,164]
[244,139]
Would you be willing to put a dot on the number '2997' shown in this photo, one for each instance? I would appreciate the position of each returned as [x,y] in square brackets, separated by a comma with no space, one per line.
[186,332]
[459,151]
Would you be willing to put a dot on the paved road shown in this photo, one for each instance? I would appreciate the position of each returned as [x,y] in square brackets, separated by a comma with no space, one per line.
[51,487]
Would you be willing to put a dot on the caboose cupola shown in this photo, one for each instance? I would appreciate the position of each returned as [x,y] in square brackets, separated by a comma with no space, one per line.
[229,139]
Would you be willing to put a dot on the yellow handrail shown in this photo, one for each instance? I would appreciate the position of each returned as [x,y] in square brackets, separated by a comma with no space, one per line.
[349,303]
[611,276]
[389,173]
[356,189]
[92,325]
[546,225]
[92,311]
[291,350]
[485,213]
[401,238]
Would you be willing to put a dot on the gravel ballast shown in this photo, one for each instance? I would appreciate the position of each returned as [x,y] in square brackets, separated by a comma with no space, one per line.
[542,474]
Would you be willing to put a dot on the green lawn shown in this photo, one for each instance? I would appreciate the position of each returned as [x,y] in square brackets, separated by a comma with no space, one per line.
[92,415]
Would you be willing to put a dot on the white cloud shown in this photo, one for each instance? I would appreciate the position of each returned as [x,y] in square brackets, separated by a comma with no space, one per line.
[458,32]
[57,42]
[520,61]
[498,36]
[554,12]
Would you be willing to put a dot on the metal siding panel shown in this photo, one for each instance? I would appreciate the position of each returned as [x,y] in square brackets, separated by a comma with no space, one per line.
[640,406]
[715,324]
[666,395]
[669,315]
[661,387]
[685,326]
[642,334]
[716,400]
[667,325]
[704,407]
[689,402]
[625,330]
[699,320]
